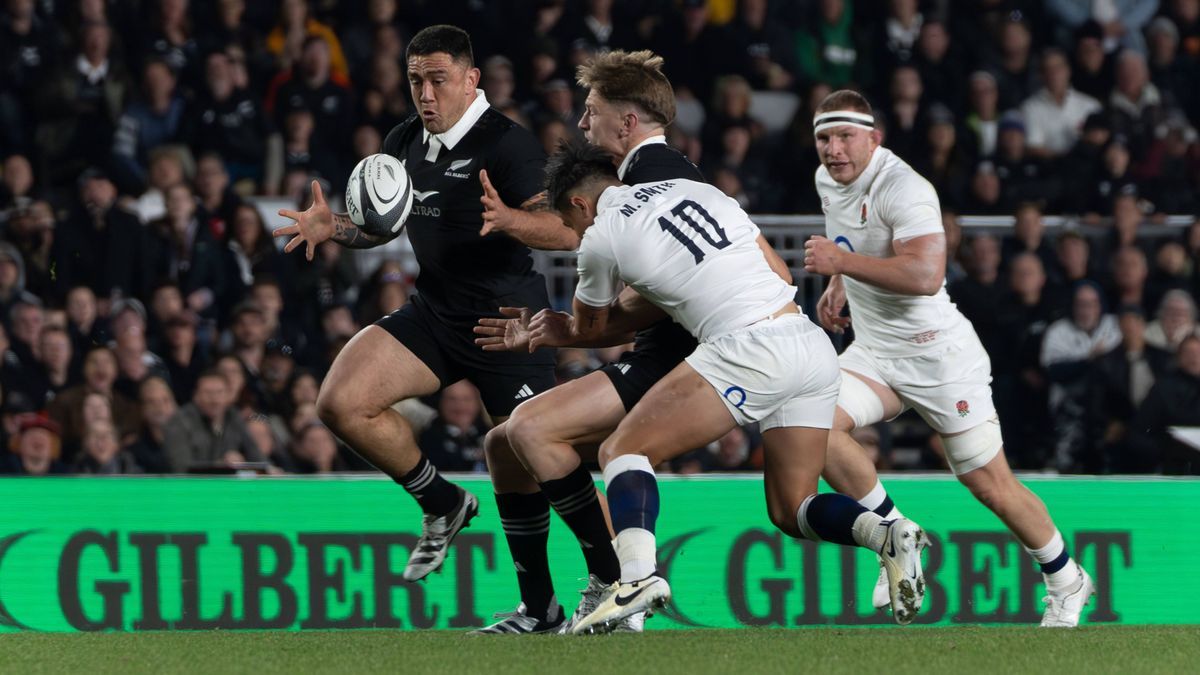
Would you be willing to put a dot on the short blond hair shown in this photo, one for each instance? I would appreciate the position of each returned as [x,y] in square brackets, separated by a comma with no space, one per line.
[631,77]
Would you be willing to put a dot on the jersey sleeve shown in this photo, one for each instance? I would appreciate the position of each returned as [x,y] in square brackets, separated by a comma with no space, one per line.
[910,206]
[517,167]
[597,266]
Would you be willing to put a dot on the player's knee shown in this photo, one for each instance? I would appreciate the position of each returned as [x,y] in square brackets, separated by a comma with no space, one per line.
[331,409]
[496,447]
[524,429]
[613,448]
[783,517]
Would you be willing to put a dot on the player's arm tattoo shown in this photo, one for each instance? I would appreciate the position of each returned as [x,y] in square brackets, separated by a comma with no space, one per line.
[538,202]
[346,233]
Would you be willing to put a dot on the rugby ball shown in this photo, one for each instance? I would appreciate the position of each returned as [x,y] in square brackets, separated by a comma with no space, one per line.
[379,195]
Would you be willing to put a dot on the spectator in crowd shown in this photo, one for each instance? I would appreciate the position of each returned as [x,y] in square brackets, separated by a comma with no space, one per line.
[385,102]
[1072,264]
[12,278]
[169,165]
[1129,274]
[941,68]
[78,105]
[16,185]
[28,49]
[168,37]
[454,441]
[953,229]
[1056,113]
[34,450]
[1122,21]
[188,255]
[1170,166]
[1171,70]
[1019,385]
[152,120]
[895,37]
[1015,77]
[84,324]
[228,121]
[249,330]
[310,87]
[216,196]
[32,231]
[986,196]
[1137,104]
[1069,351]
[1080,167]
[135,361]
[1120,383]
[26,317]
[54,356]
[983,112]
[158,406]
[944,161]
[1115,177]
[1028,236]
[68,408]
[978,295]
[208,431]
[1127,219]
[825,45]
[691,47]
[102,246]
[237,35]
[269,444]
[1092,67]
[184,358]
[1024,177]
[1174,321]
[316,450]
[288,39]
[905,122]
[759,50]
[737,450]
[1174,400]
[1172,270]
[1186,16]
[102,453]
[166,303]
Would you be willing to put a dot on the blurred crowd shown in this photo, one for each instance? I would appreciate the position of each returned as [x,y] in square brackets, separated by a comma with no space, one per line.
[151,324]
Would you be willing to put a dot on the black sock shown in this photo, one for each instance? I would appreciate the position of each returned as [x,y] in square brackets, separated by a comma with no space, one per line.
[436,495]
[526,521]
[574,498]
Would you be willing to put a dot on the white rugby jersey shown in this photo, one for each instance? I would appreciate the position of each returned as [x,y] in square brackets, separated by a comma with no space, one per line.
[889,201]
[685,247]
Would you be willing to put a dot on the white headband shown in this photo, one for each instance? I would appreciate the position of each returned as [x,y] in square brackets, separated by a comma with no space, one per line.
[841,118]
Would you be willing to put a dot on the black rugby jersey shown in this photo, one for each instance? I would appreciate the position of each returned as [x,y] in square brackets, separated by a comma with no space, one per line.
[652,163]
[464,276]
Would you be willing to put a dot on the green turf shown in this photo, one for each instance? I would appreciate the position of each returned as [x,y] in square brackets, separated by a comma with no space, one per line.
[1109,649]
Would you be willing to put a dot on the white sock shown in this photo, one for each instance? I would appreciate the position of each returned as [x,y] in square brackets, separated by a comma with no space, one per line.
[873,499]
[1067,574]
[636,552]
[869,531]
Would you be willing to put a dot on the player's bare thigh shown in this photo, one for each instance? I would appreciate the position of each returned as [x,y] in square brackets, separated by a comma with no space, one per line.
[681,412]
[371,373]
[551,432]
[793,459]
[891,404]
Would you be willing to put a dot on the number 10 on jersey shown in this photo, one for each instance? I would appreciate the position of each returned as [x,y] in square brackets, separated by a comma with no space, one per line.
[718,242]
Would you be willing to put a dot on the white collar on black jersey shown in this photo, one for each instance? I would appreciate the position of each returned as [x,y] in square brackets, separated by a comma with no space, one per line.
[629,155]
[450,137]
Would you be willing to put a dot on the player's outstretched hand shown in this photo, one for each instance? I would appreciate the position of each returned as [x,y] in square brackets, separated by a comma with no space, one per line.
[509,334]
[822,256]
[830,306]
[497,217]
[311,227]
[549,329]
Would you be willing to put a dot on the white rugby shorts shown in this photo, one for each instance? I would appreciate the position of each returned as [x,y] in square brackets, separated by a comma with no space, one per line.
[949,387]
[780,372]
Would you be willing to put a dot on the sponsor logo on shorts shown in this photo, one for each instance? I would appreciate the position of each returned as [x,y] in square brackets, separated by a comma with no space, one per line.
[736,395]
[524,392]
[963,408]
[624,368]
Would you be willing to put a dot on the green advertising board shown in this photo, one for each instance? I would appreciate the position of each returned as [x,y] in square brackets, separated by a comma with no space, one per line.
[292,553]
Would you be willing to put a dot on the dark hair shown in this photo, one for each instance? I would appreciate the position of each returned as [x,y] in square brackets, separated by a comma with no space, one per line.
[574,163]
[450,40]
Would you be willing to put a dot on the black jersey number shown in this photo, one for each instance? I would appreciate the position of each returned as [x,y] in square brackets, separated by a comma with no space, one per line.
[680,212]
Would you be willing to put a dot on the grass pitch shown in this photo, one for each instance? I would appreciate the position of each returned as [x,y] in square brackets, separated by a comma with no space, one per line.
[1110,649]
